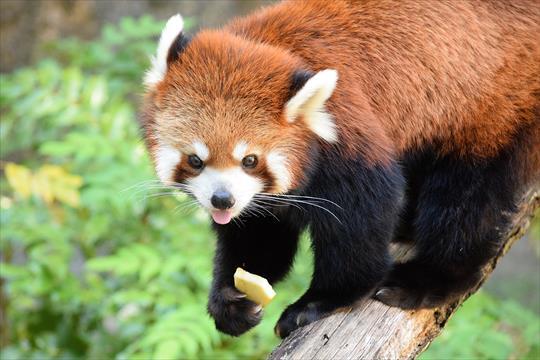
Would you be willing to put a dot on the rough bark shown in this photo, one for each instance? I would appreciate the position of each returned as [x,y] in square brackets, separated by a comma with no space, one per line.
[372,330]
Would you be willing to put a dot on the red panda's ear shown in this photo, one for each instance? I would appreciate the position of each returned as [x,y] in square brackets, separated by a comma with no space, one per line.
[308,102]
[171,43]
[298,80]
[178,45]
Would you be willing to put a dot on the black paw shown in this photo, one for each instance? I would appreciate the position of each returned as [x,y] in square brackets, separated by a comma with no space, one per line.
[232,312]
[404,298]
[296,316]
[416,286]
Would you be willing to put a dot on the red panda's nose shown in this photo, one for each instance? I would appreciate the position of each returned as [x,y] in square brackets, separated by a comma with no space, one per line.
[222,200]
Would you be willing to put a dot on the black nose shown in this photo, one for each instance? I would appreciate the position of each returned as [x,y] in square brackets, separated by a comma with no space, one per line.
[222,199]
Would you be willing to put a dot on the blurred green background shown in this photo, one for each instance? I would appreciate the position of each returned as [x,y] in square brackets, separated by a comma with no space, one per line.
[97,264]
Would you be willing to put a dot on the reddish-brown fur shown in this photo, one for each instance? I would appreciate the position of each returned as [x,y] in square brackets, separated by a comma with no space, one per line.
[454,71]
[464,75]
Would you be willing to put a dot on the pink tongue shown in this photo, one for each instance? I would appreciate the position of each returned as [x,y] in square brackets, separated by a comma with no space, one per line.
[222,217]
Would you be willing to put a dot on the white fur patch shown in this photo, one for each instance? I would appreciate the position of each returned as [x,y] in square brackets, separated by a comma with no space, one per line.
[278,165]
[235,180]
[240,150]
[309,102]
[201,150]
[158,68]
[167,158]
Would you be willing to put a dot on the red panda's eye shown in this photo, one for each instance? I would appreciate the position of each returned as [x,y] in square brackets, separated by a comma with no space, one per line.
[195,162]
[250,161]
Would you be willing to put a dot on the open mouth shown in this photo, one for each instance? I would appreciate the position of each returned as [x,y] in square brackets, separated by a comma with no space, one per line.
[222,217]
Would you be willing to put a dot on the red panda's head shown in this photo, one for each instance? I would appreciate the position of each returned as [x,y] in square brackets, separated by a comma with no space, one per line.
[230,118]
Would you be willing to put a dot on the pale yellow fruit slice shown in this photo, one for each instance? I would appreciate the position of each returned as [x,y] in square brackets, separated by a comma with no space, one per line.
[256,288]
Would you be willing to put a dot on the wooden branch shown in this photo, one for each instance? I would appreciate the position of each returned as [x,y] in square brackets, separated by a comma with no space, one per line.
[372,330]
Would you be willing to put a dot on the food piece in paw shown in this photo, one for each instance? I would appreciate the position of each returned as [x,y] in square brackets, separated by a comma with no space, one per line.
[256,288]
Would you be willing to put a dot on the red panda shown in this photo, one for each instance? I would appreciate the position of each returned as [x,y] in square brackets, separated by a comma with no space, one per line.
[366,122]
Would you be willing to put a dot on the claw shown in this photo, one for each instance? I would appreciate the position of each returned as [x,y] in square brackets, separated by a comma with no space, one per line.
[277,332]
[233,295]
[399,297]
[257,310]
[381,292]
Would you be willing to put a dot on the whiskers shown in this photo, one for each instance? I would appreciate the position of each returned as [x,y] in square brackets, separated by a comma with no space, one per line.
[187,207]
[261,205]
[150,189]
[263,200]
[257,209]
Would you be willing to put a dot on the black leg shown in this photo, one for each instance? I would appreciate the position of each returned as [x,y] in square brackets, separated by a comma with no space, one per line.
[462,213]
[351,252]
[263,246]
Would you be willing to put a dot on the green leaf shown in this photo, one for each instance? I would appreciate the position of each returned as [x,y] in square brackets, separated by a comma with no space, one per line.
[167,349]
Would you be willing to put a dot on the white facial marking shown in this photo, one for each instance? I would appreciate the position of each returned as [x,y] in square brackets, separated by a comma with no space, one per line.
[158,68]
[309,101]
[167,158]
[240,150]
[278,165]
[235,180]
[201,150]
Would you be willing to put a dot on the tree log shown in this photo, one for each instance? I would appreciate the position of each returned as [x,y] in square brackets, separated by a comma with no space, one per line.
[372,330]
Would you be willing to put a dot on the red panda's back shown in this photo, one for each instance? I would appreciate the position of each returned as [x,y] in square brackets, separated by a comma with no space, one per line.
[463,73]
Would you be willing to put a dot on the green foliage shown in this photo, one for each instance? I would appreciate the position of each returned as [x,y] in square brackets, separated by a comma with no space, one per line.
[116,269]
[487,328]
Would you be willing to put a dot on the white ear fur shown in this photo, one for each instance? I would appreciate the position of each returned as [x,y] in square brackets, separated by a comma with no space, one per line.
[157,71]
[309,102]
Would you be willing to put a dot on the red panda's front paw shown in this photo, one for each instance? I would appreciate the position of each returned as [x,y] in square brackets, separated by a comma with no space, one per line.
[296,316]
[232,312]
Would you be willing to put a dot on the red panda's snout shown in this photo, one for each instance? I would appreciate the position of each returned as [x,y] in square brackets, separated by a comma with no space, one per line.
[231,120]
[225,193]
